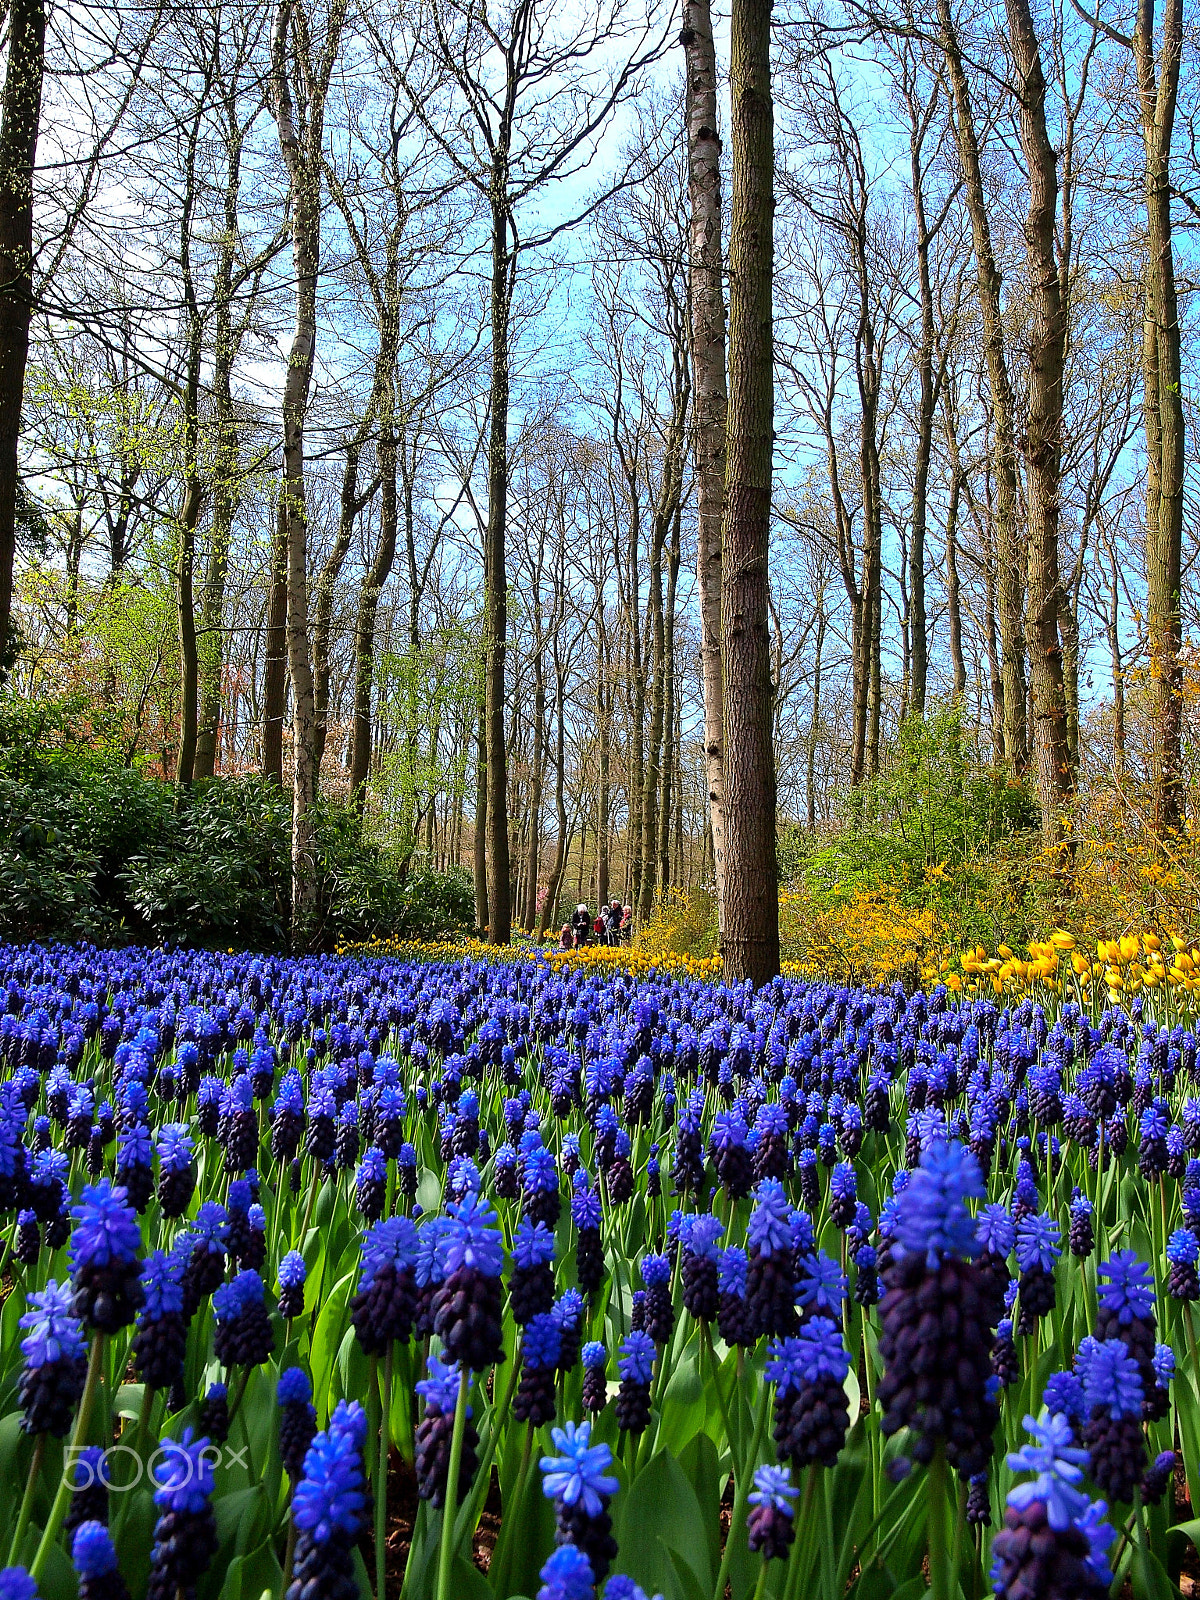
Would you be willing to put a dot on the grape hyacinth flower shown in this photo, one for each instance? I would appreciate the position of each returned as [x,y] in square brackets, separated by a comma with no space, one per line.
[435,1431]
[770,1526]
[383,1306]
[297,1419]
[95,1560]
[293,1274]
[1053,1543]
[586,1216]
[770,1280]
[1112,1387]
[936,1334]
[636,1366]
[214,1413]
[660,1313]
[105,1270]
[330,1508]
[56,1359]
[204,1247]
[812,1412]
[1081,1235]
[176,1168]
[16,1584]
[185,1535]
[89,1490]
[244,1336]
[578,1482]
[1157,1477]
[567,1575]
[1183,1250]
[541,1347]
[1126,1310]
[160,1343]
[1037,1251]
[734,1322]
[701,1291]
[595,1377]
[467,1305]
[531,1282]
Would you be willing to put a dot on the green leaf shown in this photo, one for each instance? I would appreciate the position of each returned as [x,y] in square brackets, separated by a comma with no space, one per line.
[327,1337]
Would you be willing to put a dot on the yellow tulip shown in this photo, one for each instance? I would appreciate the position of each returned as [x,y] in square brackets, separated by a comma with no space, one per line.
[1129,946]
[1062,940]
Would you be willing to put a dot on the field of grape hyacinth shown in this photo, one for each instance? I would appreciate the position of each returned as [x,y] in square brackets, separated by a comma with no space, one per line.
[683,1290]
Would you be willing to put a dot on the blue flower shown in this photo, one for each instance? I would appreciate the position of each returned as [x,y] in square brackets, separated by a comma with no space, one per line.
[702,1235]
[732,1267]
[429,1262]
[390,1242]
[655,1269]
[473,1238]
[1058,1464]
[773,1487]
[567,1576]
[1164,1365]
[579,1474]
[56,1334]
[16,1584]
[1037,1242]
[92,1551]
[440,1387]
[292,1270]
[161,1275]
[541,1344]
[294,1387]
[995,1230]
[1129,1293]
[822,1284]
[816,1352]
[183,1471]
[106,1229]
[1110,1377]
[330,1500]
[174,1143]
[1183,1247]
[1099,1534]
[1063,1395]
[770,1226]
[533,1244]
[594,1355]
[636,1363]
[932,1219]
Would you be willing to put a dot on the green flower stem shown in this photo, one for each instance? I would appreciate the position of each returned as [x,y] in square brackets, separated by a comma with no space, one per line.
[448,1514]
[760,1586]
[939,1566]
[742,1490]
[35,1467]
[483,1473]
[82,1417]
[381,1478]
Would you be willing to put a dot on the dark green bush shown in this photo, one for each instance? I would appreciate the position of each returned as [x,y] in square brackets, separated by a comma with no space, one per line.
[90,849]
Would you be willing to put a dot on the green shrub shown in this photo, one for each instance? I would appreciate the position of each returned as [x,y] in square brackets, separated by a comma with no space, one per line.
[90,849]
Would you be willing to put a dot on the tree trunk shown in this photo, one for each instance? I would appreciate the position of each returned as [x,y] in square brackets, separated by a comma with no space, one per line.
[750,942]
[1118,669]
[185,555]
[348,509]
[275,665]
[814,725]
[1007,533]
[533,857]
[376,577]
[1162,410]
[303,163]
[495,625]
[954,592]
[480,847]
[20,116]
[711,402]
[1043,442]
[918,621]
[670,763]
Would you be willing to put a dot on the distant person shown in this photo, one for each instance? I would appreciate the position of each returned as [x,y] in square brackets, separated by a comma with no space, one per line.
[565,938]
[581,924]
[627,923]
[598,926]
[612,923]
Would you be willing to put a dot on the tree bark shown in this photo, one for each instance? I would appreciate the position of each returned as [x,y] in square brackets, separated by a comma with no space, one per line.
[20,116]
[711,398]
[958,663]
[302,160]
[1043,436]
[275,646]
[480,839]
[1158,88]
[988,284]
[750,941]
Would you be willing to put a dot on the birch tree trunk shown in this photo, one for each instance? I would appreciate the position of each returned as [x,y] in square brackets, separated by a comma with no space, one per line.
[711,399]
